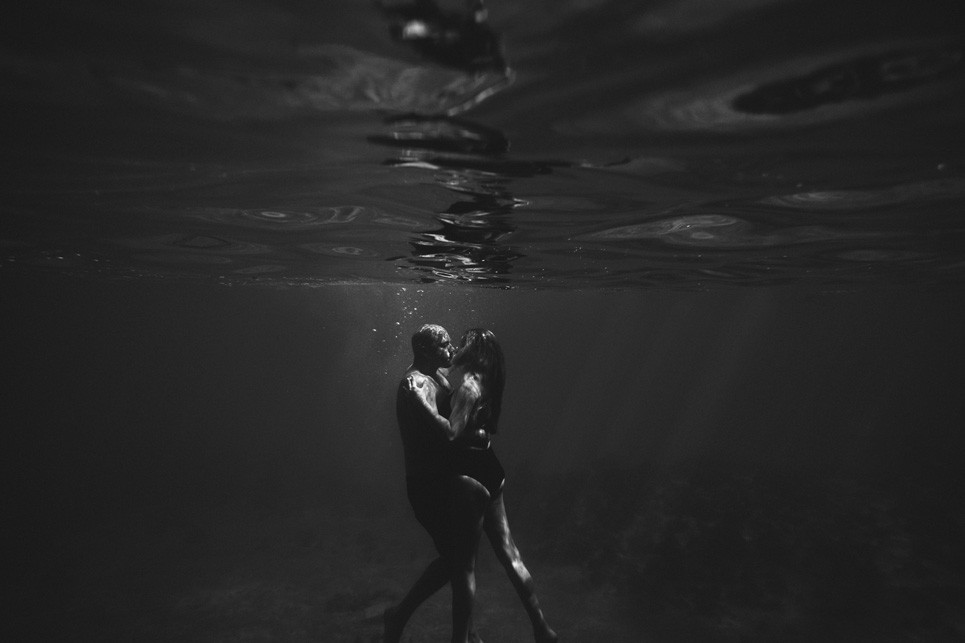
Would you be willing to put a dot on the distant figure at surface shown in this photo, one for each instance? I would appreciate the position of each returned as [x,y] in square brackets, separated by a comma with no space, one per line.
[453,478]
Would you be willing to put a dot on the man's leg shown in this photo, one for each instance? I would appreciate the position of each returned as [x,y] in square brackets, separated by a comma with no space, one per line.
[434,578]
[432,506]
[468,509]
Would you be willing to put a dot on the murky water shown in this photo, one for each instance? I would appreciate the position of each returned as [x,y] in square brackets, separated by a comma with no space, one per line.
[720,242]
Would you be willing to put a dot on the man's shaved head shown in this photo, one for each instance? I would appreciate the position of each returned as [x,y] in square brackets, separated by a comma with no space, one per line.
[428,339]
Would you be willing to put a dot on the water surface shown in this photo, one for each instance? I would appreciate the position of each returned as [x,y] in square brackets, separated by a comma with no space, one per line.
[580,144]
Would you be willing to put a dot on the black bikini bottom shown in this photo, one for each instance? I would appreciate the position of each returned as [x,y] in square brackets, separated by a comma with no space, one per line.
[481,465]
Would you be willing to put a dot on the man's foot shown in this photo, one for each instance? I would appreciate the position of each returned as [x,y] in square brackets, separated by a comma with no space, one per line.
[392,632]
[546,636]
[474,638]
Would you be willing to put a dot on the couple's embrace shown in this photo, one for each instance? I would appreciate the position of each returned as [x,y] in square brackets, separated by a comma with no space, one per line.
[448,406]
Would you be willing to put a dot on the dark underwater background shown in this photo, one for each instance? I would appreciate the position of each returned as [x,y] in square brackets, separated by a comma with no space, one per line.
[720,243]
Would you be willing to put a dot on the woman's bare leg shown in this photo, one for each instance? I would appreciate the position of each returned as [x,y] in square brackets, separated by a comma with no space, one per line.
[469,501]
[497,530]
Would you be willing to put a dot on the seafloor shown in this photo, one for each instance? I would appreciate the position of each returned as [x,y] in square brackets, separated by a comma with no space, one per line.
[700,553]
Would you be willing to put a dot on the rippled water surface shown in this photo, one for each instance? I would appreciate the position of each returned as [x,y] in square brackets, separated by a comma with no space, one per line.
[585,143]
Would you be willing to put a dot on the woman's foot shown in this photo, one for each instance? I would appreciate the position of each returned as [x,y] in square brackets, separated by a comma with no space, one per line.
[546,635]
[392,632]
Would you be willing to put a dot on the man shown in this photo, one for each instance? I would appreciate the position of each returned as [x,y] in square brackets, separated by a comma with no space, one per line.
[424,441]
[427,474]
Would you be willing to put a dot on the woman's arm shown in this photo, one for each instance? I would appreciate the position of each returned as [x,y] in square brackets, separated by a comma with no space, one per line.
[425,394]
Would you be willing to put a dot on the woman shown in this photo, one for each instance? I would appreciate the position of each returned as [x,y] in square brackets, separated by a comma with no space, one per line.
[477,378]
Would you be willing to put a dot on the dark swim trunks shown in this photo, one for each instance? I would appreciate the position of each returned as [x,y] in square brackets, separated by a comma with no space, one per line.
[429,498]
[481,465]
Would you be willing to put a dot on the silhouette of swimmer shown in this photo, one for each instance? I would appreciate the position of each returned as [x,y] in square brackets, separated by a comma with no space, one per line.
[462,41]
[453,480]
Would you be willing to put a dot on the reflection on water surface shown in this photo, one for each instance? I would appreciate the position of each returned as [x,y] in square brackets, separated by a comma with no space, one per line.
[547,144]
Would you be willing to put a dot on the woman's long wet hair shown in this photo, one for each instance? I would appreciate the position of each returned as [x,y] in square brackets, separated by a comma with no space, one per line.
[484,356]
